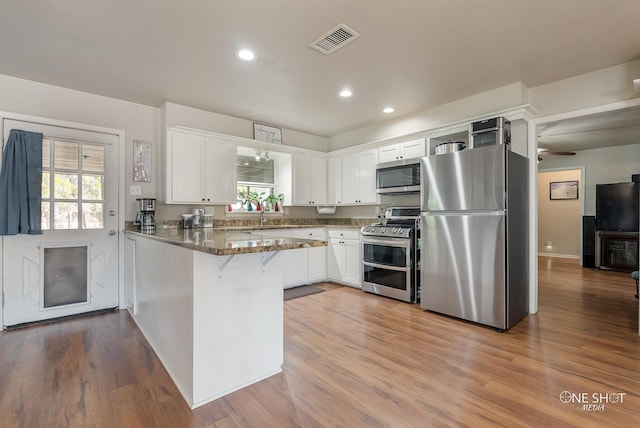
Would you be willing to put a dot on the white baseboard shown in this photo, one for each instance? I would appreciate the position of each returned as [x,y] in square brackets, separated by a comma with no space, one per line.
[560,256]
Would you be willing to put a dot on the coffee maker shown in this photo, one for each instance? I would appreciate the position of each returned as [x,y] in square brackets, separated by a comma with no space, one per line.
[145,219]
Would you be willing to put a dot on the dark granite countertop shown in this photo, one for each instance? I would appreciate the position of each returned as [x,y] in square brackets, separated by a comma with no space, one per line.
[227,242]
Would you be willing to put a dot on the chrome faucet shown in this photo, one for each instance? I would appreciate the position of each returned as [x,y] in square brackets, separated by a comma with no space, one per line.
[262,219]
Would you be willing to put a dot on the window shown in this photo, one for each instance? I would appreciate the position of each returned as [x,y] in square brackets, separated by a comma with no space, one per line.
[72,185]
[255,176]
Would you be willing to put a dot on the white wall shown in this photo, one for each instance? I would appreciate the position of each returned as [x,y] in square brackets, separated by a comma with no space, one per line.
[597,88]
[602,166]
[175,114]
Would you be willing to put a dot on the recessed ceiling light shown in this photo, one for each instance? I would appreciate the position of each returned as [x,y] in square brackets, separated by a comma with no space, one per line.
[345,93]
[388,110]
[246,54]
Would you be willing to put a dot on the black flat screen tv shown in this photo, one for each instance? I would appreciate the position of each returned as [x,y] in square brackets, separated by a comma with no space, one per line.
[617,207]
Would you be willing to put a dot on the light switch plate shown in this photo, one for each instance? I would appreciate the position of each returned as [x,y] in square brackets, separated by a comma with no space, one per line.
[135,190]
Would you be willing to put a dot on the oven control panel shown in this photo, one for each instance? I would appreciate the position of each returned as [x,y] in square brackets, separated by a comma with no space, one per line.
[387,231]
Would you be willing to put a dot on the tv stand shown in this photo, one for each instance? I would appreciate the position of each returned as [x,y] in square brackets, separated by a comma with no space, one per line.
[617,251]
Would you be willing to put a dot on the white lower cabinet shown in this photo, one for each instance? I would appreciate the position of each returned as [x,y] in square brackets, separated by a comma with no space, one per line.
[317,264]
[343,257]
[296,267]
[130,275]
[304,265]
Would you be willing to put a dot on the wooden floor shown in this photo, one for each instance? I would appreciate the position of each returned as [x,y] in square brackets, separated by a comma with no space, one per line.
[354,360]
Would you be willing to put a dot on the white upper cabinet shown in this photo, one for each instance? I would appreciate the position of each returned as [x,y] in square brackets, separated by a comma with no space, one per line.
[406,150]
[309,180]
[199,170]
[359,178]
[334,180]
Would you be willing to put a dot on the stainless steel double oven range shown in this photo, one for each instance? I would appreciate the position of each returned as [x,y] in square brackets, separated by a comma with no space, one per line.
[391,255]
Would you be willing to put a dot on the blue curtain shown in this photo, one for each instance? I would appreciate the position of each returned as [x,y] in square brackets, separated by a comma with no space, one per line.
[21,184]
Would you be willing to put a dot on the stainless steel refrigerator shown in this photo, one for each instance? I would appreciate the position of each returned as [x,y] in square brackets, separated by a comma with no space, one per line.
[475,229]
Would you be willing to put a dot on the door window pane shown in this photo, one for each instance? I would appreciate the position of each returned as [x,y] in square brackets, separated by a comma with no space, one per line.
[46,153]
[92,187]
[65,215]
[46,185]
[65,186]
[66,155]
[92,158]
[92,216]
[45,216]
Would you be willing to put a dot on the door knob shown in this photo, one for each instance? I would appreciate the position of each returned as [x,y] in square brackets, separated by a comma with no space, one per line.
[112,232]
[112,213]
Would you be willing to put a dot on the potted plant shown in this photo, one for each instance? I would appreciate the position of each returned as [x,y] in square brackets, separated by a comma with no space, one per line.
[270,203]
[254,197]
[278,202]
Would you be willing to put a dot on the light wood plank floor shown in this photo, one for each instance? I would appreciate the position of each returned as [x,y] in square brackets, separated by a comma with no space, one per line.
[353,360]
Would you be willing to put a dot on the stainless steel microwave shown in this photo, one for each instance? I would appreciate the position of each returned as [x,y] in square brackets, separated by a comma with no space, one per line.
[398,177]
[489,132]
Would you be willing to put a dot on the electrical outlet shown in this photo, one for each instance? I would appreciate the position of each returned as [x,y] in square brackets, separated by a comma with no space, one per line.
[135,190]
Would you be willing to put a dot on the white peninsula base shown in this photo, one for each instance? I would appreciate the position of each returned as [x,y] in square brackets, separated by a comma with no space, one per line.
[215,322]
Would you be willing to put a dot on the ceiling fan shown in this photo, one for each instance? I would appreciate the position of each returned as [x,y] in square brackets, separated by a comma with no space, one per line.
[545,152]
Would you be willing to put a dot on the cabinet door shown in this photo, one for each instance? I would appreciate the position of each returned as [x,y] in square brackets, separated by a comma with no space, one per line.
[220,172]
[413,149]
[352,263]
[389,153]
[296,268]
[335,260]
[334,180]
[367,177]
[130,275]
[318,180]
[301,180]
[350,179]
[186,179]
[317,264]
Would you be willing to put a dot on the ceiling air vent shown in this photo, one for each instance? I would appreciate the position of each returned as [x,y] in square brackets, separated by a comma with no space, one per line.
[334,39]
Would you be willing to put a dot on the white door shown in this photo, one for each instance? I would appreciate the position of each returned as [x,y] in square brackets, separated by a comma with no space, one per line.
[76,256]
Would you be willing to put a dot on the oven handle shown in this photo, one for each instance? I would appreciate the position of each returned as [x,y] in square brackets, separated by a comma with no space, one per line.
[379,266]
[402,243]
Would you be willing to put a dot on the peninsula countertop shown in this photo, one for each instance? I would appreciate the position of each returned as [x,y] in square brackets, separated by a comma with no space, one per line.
[227,242]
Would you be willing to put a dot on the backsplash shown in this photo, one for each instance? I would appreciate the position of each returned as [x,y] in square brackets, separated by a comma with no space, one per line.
[255,222]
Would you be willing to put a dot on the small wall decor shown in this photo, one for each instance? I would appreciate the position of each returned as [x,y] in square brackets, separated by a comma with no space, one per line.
[141,160]
[266,133]
[559,190]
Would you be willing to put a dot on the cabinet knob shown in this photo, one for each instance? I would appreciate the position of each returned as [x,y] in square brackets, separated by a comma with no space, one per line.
[202,199]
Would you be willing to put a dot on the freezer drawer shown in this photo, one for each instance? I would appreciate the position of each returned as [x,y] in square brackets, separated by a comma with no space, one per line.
[464,180]
[463,266]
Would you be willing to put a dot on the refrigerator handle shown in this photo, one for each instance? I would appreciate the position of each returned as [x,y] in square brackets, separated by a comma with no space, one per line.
[459,213]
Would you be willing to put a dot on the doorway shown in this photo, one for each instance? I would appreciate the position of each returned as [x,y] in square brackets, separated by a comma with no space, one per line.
[560,208]
[73,267]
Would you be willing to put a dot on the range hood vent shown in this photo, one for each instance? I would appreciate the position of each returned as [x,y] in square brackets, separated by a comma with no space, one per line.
[334,39]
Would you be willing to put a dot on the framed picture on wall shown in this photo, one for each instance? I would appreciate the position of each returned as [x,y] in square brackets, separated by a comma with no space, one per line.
[141,161]
[266,133]
[560,190]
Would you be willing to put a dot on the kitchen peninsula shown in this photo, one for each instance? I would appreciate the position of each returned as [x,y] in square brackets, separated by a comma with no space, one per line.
[210,303]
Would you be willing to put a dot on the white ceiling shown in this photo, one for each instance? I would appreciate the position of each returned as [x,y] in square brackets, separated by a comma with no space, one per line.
[411,54]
